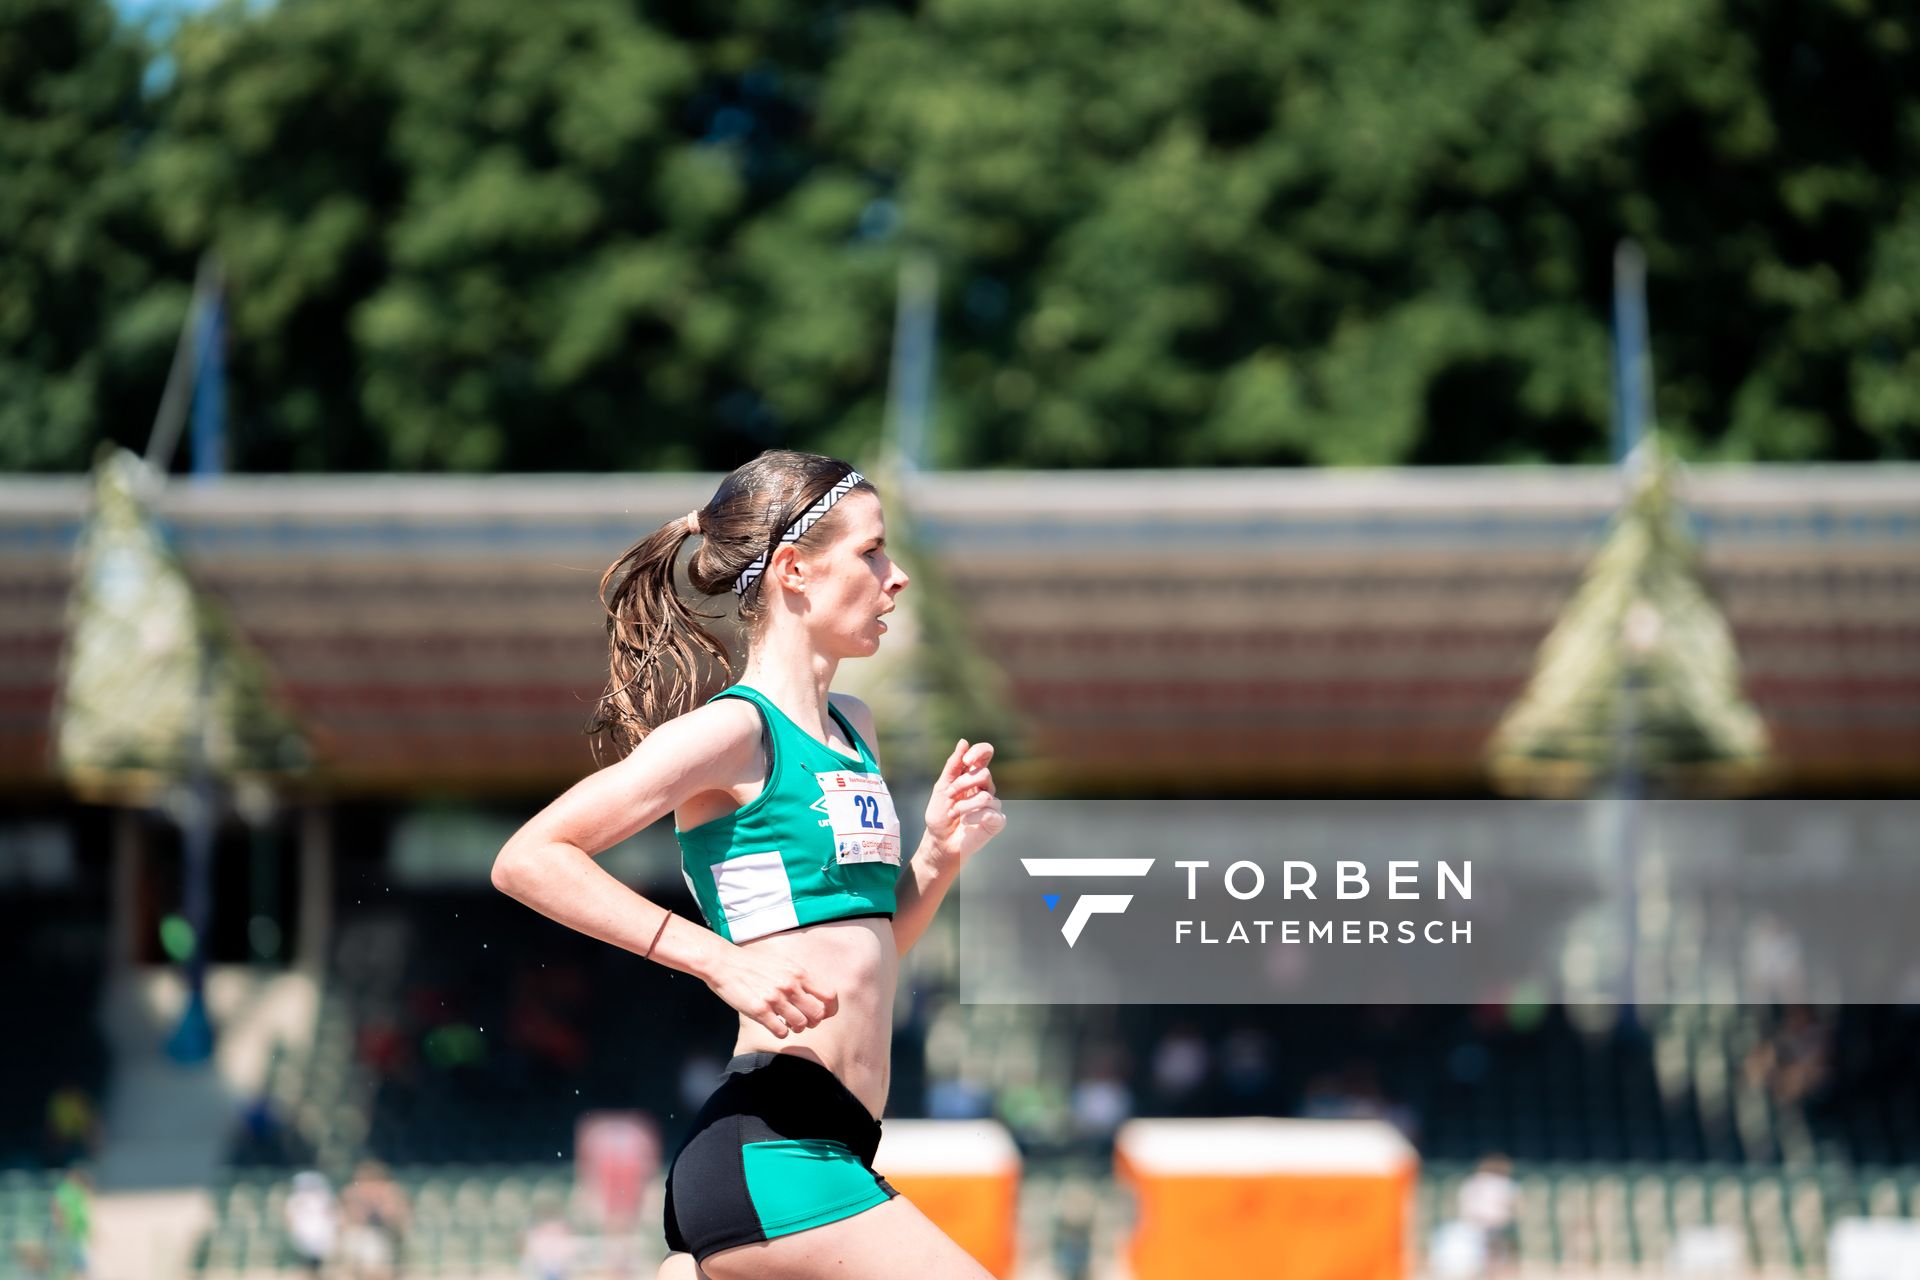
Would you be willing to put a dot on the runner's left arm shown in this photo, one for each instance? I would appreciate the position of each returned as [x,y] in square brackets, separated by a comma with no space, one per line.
[962,815]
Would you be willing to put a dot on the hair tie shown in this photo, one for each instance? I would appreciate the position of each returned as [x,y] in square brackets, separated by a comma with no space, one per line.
[797,530]
[693,522]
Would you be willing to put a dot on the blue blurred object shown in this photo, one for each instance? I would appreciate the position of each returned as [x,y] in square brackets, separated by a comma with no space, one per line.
[192,1041]
[210,389]
[1632,366]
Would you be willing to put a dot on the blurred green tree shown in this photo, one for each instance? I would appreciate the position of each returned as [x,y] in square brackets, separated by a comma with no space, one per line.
[476,234]
[85,332]
[483,234]
[1217,232]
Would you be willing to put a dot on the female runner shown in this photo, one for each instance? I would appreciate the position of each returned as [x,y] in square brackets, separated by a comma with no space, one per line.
[791,846]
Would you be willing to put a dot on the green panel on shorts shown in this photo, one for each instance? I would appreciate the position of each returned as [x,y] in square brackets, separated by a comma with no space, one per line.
[808,1182]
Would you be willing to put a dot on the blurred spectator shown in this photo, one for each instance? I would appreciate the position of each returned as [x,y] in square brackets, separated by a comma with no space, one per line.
[1246,1065]
[1793,1062]
[1180,1066]
[549,1250]
[958,1100]
[1457,1252]
[72,1222]
[1073,1232]
[1355,1095]
[1036,1111]
[73,1126]
[1101,1100]
[312,1220]
[1101,1104]
[373,1218]
[1487,1201]
[265,1137]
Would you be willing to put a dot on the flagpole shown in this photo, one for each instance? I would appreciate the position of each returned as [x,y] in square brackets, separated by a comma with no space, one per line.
[910,386]
[1632,412]
[192,1040]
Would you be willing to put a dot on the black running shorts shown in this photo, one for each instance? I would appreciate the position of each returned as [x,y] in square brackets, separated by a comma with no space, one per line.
[779,1147]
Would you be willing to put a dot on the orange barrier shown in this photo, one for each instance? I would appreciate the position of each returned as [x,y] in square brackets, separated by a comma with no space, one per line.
[965,1176]
[1283,1199]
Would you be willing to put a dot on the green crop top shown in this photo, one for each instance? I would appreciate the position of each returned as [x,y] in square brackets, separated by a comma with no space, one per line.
[820,842]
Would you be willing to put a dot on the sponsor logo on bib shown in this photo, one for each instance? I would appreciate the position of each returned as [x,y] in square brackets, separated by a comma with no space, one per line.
[860,810]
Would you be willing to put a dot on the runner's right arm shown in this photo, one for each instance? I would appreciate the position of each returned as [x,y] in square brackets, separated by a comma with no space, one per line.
[549,863]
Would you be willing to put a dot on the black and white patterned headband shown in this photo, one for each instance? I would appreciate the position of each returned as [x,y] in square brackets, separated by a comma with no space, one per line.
[797,530]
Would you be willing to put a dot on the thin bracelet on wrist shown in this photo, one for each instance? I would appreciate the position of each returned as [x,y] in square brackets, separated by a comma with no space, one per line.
[665,916]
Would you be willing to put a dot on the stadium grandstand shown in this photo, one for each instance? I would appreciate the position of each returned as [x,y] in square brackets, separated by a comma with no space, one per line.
[438,643]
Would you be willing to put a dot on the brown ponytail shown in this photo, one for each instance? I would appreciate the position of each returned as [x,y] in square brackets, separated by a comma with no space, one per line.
[663,661]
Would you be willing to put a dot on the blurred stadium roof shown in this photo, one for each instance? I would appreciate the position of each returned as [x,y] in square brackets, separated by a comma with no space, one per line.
[1160,630]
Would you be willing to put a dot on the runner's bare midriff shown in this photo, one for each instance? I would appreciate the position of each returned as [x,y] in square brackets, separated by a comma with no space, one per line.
[857,959]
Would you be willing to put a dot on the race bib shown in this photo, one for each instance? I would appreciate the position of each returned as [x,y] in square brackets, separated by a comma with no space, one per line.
[860,810]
